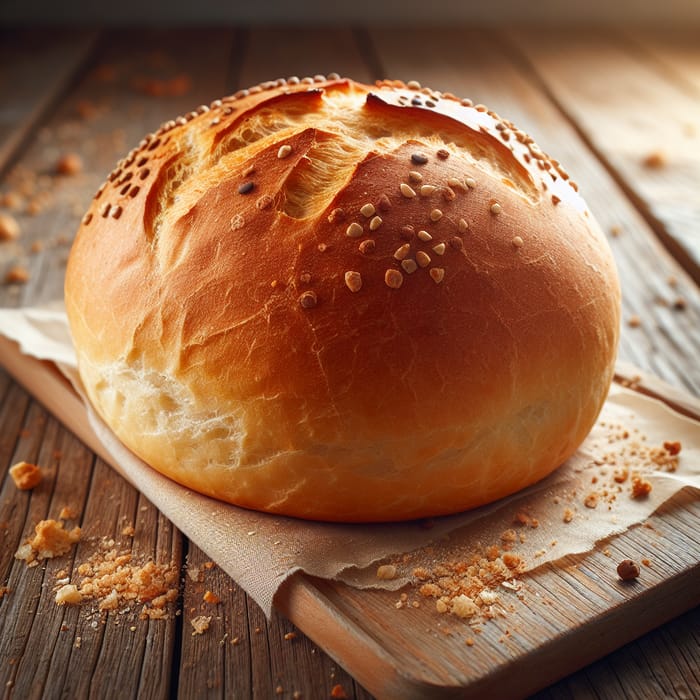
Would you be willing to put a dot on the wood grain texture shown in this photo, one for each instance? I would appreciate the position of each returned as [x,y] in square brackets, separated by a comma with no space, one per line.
[643,125]
[36,67]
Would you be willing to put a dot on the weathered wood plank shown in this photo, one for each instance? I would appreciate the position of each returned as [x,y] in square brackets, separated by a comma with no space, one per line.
[284,51]
[472,64]
[36,67]
[645,126]
[137,80]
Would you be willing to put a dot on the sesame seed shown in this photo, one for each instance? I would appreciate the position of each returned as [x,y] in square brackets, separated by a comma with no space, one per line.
[116,212]
[337,214]
[555,199]
[407,191]
[144,173]
[443,153]
[367,210]
[417,102]
[134,191]
[308,300]
[393,278]
[284,151]
[439,248]
[518,242]
[367,247]
[246,187]
[409,265]
[104,210]
[415,176]
[467,102]
[437,273]
[249,170]
[87,219]
[424,236]
[422,258]
[384,204]
[470,182]
[375,223]
[264,202]
[435,215]
[353,281]
[448,194]
[402,252]
[496,208]
[427,190]
[419,158]
[413,85]
[354,230]
[462,225]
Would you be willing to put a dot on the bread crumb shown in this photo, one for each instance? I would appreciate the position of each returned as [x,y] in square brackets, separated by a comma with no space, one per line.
[51,540]
[463,606]
[338,692]
[673,448]
[68,595]
[290,635]
[69,164]
[654,160]
[627,570]
[634,321]
[210,597]
[591,501]
[128,531]
[17,274]
[568,515]
[25,475]
[386,572]
[110,602]
[4,590]
[469,641]
[9,228]
[641,488]
[200,624]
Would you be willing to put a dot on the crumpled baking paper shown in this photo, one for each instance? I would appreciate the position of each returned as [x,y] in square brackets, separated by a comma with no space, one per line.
[587,500]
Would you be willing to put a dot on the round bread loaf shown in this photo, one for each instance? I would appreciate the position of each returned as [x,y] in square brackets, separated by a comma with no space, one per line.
[344,302]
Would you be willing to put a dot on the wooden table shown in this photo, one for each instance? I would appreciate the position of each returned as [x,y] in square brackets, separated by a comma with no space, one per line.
[621,110]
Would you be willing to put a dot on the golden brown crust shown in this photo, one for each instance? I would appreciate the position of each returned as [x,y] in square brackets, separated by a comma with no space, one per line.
[344,302]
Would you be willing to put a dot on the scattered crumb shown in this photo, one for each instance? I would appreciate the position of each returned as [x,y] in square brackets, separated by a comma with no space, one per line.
[338,692]
[200,624]
[568,515]
[616,230]
[68,594]
[591,501]
[646,562]
[50,540]
[290,635]
[128,531]
[9,228]
[386,572]
[634,321]
[469,641]
[210,597]
[67,513]
[17,274]
[4,590]
[69,164]
[655,160]
[110,601]
[641,488]
[679,303]
[627,570]
[25,475]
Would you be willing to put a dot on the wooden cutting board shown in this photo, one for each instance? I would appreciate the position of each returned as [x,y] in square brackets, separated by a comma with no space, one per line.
[568,613]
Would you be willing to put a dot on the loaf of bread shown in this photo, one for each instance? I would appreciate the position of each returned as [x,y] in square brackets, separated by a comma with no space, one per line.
[344,302]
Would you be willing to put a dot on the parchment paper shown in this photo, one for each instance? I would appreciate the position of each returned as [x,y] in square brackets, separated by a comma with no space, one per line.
[582,503]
